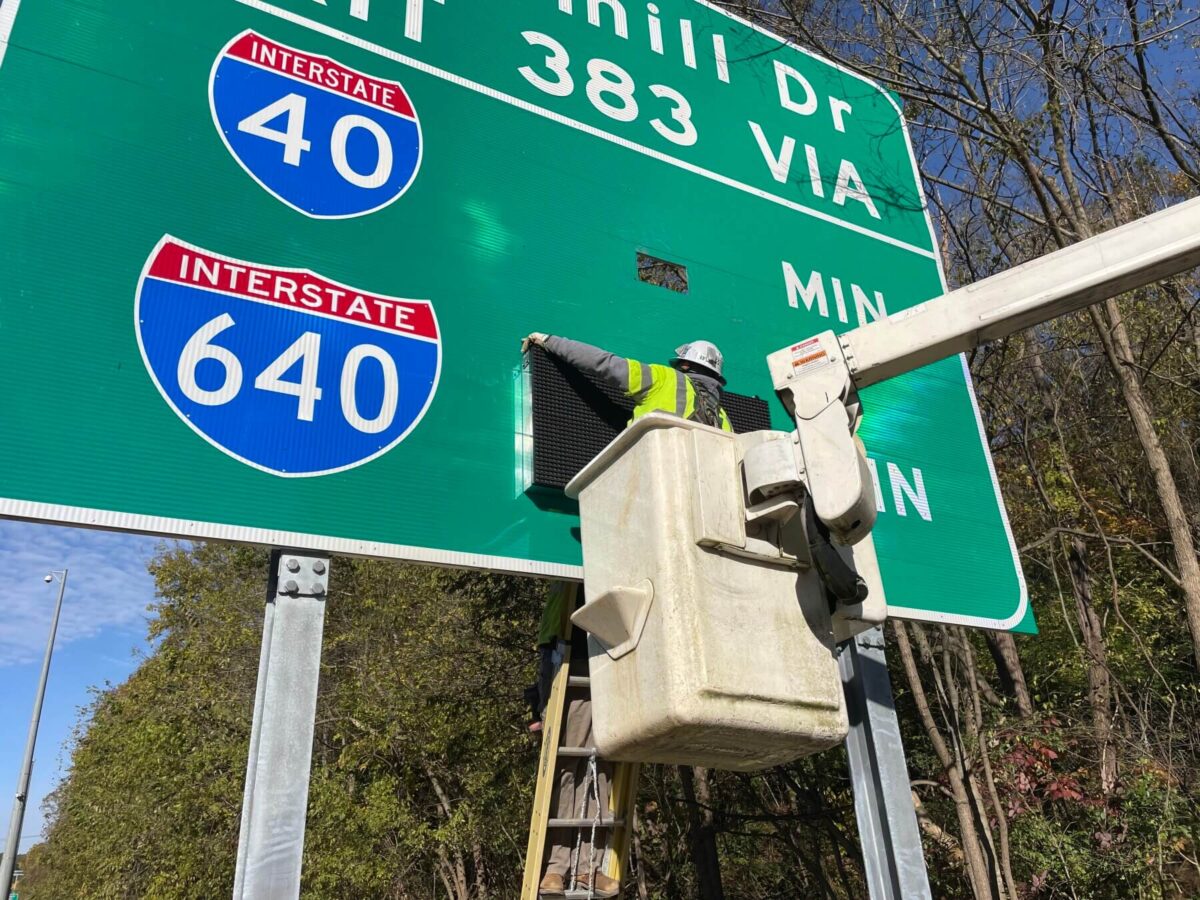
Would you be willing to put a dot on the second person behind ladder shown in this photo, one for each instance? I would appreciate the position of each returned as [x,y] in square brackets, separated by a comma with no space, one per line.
[690,388]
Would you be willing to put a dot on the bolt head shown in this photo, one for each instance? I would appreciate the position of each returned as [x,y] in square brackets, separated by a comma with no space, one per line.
[293,565]
[319,567]
[290,587]
[318,589]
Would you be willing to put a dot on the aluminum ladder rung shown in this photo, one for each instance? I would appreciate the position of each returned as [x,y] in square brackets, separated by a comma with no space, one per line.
[584,823]
[553,759]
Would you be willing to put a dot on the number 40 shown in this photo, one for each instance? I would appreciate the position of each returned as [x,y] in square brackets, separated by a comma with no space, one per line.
[295,107]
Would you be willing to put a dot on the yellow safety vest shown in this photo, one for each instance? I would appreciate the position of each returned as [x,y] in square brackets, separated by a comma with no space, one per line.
[656,388]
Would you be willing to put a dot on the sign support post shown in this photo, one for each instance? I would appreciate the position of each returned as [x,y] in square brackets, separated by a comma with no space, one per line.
[887,822]
[275,803]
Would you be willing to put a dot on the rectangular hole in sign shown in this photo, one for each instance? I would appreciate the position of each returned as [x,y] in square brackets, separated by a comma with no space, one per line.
[669,275]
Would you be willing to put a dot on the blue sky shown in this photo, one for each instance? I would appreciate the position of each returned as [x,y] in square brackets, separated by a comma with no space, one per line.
[100,640]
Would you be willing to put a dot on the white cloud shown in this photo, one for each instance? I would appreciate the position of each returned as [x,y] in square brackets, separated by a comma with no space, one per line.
[108,587]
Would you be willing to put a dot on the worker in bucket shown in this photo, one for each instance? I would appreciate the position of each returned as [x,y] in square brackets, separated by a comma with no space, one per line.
[690,388]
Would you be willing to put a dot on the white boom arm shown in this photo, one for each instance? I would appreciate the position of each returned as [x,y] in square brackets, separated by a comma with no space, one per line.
[1104,266]
[818,379]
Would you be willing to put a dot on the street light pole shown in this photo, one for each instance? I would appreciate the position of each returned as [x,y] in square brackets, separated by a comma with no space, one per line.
[18,814]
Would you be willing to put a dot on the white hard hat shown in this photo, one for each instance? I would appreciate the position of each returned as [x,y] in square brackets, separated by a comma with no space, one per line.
[701,353]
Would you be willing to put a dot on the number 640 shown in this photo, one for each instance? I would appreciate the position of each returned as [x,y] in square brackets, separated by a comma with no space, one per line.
[307,351]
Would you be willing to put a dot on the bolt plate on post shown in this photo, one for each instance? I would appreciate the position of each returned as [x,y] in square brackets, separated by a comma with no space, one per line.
[301,575]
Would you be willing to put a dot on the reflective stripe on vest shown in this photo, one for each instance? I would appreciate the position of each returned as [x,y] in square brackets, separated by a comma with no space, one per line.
[639,377]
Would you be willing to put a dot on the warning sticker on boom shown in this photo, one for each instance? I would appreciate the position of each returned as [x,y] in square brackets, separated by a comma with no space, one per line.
[809,355]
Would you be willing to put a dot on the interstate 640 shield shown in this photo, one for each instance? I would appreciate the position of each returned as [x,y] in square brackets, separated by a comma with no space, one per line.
[282,369]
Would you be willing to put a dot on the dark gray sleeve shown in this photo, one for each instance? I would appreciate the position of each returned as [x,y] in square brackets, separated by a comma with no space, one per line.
[604,365]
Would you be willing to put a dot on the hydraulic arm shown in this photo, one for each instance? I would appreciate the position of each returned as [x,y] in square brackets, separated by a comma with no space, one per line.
[818,379]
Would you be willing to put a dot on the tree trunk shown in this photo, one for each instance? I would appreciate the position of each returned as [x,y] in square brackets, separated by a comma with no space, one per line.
[481,887]
[977,869]
[1110,324]
[936,833]
[640,867]
[1011,673]
[1099,680]
[1117,348]
[975,718]
[950,699]
[702,837]
[454,862]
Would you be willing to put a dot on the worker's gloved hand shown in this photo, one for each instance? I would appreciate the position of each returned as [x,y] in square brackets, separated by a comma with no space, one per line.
[536,337]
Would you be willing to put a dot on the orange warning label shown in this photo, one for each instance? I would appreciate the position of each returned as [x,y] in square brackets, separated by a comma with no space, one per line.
[809,354]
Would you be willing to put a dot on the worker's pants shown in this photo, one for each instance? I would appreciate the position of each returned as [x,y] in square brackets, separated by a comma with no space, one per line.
[550,657]
[573,801]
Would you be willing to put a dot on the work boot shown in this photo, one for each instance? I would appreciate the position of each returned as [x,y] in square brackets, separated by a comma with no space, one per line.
[552,886]
[603,887]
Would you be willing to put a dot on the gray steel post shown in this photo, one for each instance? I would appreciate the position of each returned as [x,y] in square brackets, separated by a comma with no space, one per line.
[275,803]
[887,822]
[12,845]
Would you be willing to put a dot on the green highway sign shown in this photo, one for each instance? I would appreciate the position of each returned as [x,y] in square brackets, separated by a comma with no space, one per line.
[267,266]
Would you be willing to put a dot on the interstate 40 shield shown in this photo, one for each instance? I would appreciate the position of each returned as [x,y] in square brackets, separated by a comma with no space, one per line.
[282,369]
[327,140]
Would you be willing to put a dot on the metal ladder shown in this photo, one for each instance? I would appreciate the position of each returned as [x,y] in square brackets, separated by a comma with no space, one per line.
[617,819]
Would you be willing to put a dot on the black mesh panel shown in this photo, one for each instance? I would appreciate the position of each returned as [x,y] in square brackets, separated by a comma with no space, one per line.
[575,417]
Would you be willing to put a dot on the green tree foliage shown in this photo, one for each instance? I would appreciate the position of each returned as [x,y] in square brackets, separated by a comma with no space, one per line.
[422,773]
[421,776]
[159,760]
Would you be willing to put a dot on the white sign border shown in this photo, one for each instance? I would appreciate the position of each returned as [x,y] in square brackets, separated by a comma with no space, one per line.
[188,529]
[158,525]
